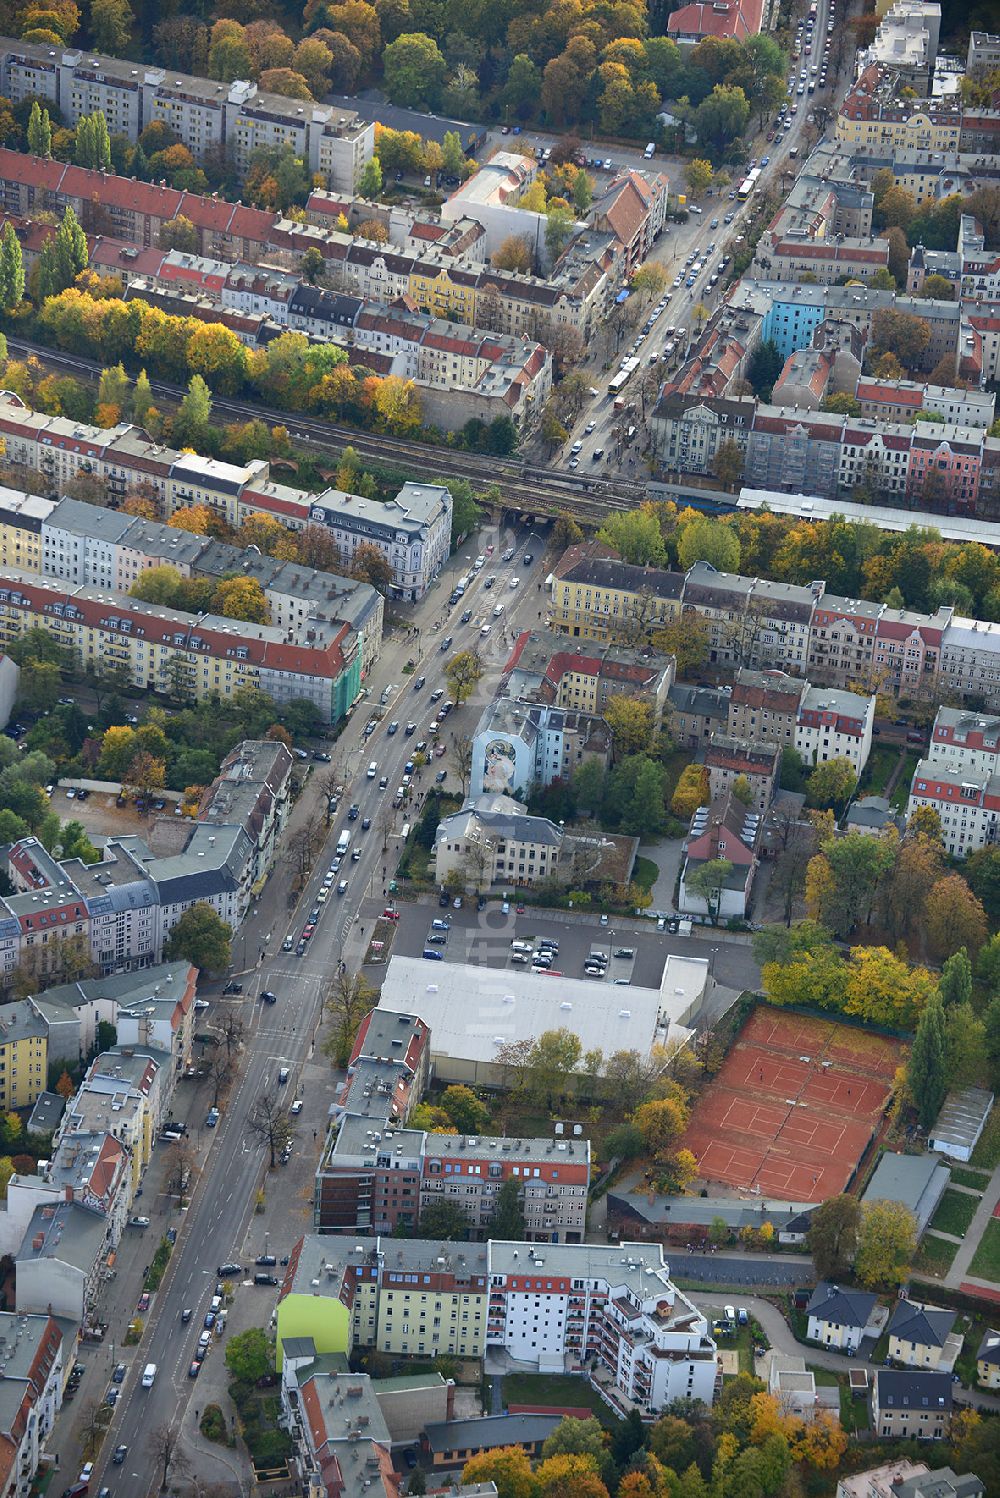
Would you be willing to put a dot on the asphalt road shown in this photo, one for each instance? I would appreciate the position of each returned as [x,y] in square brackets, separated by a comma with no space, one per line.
[283,1034]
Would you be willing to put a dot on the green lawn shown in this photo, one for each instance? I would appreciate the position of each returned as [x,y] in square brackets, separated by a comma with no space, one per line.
[986,1260]
[934,1257]
[955,1212]
[901,794]
[853,1412]
[825,1377]
[557,1390]
[881,763]
[645,873]
[977,1179]
[987,1152]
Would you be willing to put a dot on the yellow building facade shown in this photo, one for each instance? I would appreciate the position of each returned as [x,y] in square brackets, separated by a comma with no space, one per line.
[595,611]
[440,296]
[23,1058]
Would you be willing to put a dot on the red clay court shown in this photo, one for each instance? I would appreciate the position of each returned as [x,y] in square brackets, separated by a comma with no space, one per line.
[794,1107]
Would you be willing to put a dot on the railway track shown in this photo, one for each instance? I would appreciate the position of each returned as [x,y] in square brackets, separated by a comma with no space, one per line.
[528,488]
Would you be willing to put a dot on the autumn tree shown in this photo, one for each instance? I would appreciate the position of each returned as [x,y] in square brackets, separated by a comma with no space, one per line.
[242,597]
[268,1122]
[887,1243]
[707,881]
[691,791]
[515,253]
[462,674]
[900,333]
[631,722]
[202,937]
[831,783]
[509,1467]
[954,918]
[687,639]
[833,1236]
[349,997]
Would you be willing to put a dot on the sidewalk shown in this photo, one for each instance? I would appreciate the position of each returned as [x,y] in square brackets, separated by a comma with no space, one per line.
[959,1271]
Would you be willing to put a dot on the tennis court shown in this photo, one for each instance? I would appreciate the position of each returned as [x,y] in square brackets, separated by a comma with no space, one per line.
[794,1106]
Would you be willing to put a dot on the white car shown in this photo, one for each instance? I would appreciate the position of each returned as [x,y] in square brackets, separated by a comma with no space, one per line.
[373,769]
[296,1107]
[486,629]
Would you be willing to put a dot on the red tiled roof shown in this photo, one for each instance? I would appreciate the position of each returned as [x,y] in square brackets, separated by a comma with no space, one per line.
[737,18]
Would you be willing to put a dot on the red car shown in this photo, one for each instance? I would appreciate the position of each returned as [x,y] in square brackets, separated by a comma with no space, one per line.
[308,930]
[143,1301]
[390,915]
[519,909]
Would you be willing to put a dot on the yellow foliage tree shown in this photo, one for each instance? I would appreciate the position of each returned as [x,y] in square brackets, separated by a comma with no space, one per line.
[242,598]
[198,519]
[820,1442]
[508,1467]
[569,1476]
[691,792]
[397,404]
[661,1123]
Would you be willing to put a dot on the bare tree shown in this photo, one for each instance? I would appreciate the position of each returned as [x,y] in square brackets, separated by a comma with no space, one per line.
[165,1450]
[461,758]
[479,863]
[219,1071]
[348,998]
[268,1121]
[93,1427]
[330,783]
[386,823]
[180,1165]
[233,1031]
[301,852]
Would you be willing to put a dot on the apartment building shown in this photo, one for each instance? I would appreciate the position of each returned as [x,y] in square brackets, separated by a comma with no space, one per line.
[207,656]
[698,712]
[31,1385]
[764,705]
[965,741]
[722,601]
[376,1175]
[516,744]
[492,839]
[727,757]
[205,114]
[23,1048]
[553,1177]
[459,374]
[967,802]
[906,1479]
[922,1336]
[726,830]
[89,1166]
[900,400]
[614,1308]
[834,724]
[632,207]
[413,531]
[541,669]
[119,911]
[61,1261]
[603,598]
[842,640]
[911,1405]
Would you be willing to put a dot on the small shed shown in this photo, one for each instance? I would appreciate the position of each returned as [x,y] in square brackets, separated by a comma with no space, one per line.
[960,1123]
[857,1382]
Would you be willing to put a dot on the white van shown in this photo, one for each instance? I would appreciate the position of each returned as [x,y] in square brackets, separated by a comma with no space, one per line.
[373,769]
[650,150]
[149,1376]
[343,843]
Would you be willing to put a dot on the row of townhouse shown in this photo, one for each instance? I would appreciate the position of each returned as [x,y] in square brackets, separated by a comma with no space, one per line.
[204,114]
[959,778]
[413,530]
[375,1175]
[971,267]
[805,631]
[119,911]
[613,1308]
[33,1369]
[800,450]
[574,296]
[876,114]
[83,545]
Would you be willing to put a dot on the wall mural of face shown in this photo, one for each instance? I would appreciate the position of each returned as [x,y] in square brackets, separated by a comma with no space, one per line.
[500,766]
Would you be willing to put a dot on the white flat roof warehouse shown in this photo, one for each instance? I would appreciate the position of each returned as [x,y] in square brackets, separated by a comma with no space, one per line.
[472,1011]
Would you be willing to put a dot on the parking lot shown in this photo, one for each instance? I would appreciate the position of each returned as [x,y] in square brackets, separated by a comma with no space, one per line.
[484,938]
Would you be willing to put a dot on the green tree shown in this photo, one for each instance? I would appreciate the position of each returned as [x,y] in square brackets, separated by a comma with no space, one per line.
[63,257]
[553,1058]
[636,536]
[955,986]
[507,1221]
[142,398]
[559,223]
[93,142]
[413,70]
[707,881]
[370,180]
[11,269]
[991,1038]
[312,264]
[722,117]
[202,937]
[455,160]
[468,1113]
[833,1236]
[573,1437]
[444,1220]
[705,539]
[764,368]
[727,463]
[831,784]
[698,175]
[195,413]
[887,1243]
[647,813]
[927,1070]
[965,1041]
[111,23]
[39,131]
[250,1355]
